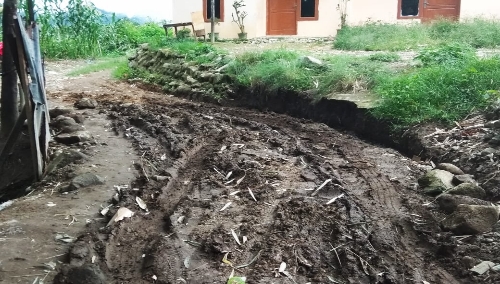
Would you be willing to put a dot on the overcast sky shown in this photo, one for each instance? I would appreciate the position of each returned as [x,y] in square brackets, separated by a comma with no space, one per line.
[156,9]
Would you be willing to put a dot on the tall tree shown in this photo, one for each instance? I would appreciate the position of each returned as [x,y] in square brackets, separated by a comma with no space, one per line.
[8,100]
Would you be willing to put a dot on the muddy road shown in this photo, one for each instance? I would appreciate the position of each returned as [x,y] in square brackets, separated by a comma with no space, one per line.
[235,190]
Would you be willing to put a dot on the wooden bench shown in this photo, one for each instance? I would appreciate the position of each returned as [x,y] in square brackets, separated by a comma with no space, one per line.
[175,26]
[197,24]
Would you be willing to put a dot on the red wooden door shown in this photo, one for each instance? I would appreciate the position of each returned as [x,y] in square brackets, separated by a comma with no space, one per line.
[434,9]
[281,17]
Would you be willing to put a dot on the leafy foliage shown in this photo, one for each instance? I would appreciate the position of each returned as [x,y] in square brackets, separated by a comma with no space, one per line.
[79,30]
[447,54]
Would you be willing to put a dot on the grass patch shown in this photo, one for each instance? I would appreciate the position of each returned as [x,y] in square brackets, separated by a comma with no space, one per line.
[385,57]
[478,33]
[443,92]
[283,69]
[111,63]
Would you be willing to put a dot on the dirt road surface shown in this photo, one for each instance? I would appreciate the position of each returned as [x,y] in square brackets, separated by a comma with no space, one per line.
[235,190]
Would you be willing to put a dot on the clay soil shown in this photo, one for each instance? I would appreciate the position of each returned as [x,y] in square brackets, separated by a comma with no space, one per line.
[334,208]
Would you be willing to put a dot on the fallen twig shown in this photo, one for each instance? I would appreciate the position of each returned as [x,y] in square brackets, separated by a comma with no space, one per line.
[321,186]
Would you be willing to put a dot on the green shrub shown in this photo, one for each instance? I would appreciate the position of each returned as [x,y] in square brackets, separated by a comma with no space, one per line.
[446,54]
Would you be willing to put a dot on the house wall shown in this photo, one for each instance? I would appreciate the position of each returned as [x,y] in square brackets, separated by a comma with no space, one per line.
[359,12]
[256,21]
[480,8]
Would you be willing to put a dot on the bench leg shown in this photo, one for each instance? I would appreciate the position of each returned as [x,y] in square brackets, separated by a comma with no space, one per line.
[175,31]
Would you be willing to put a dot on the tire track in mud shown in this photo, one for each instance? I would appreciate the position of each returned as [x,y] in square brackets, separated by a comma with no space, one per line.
[281,158]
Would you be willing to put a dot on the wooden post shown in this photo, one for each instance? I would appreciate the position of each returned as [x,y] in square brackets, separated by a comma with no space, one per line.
[212,22]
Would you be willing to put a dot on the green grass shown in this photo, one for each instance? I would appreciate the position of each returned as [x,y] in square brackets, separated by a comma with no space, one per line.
[442,93]
[283,69]
[478,33]
[110,63]
[385,57]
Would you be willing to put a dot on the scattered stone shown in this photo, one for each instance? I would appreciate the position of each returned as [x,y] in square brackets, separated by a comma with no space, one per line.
[495,141]
[55,112]
[86,103]
[483,267]
[73,138]
[84,180]
[468,262]
[488,151]
[459,179]
[471,219]
[86,274]
[308,176]
[311,61]
[492,124]
[496,268]
[436,181]
[62,121]
[64,158]
[450,168]
[77,117]
[449,203]
[468,189]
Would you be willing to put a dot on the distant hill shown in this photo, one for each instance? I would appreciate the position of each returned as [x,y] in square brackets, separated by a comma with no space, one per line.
[108,17]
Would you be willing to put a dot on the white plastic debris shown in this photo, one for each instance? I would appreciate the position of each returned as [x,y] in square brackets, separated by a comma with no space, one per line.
[51,204]
[141,203]
[335,199]
[235,236]
[121,214]
[282,267]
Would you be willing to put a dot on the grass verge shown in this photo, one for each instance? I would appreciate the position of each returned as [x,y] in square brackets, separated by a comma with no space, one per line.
[478,33]
[106,63]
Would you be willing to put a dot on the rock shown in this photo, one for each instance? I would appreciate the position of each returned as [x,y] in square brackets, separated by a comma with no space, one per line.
[86,274]
[62,121]
[459,179]
[483,267]
[468,189]
[77,117]
[492,124]
[190,80]
[86,103]
[488,151]
[311,61]
[450,168]
[449,203]
[55,112]
[73,138]
[495,141]
[436,181]
[471,219]
[84,180]
[183,89]
[308,176]
[468,262]
[72,128]
[64,158]
[496,268]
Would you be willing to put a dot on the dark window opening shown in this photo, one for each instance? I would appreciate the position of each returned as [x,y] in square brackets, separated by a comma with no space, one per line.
[308,8]
[209,9]
[409,8]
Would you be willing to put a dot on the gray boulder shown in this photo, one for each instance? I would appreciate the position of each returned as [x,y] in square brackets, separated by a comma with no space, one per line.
[311,61]
[86,103]
[471,219]
[449,203]
[450,168]
[73,138]
[436,182]
[459,179]
[468,189]
[84,180]
[55,112]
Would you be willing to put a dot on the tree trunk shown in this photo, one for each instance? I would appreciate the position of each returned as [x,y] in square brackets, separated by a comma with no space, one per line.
[9,96]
